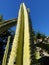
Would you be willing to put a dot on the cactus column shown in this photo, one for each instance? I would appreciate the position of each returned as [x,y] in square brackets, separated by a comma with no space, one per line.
[4,62]
[20,53]
[26,51]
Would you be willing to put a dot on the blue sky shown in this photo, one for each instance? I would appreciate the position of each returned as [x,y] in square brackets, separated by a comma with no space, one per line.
[39,12]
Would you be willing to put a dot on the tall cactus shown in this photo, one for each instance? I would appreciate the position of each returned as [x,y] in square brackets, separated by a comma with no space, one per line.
[4,62]
[20,53]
